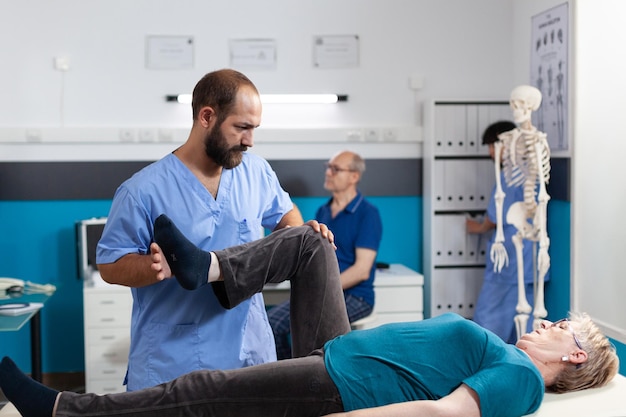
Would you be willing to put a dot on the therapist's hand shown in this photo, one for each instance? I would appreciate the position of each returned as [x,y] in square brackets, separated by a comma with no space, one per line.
[323,229]
[159,263]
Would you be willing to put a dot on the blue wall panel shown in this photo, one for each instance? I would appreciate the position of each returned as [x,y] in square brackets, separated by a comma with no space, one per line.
[37,243]
[402,227]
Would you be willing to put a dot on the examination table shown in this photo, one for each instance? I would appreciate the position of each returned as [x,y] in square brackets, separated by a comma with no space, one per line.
[609,401]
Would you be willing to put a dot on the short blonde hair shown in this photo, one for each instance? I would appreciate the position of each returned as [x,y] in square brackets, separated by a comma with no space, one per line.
[602,361]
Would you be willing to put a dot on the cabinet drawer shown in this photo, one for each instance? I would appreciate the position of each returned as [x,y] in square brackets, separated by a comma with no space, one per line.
[118,337]
[105,386]
[108,310]
[398,299]
[108,361]
[100,371]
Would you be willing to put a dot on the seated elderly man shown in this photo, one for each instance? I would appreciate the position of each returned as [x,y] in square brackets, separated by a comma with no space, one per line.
[445,366]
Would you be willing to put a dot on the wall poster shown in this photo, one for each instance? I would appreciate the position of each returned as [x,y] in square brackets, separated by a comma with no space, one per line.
[549,73]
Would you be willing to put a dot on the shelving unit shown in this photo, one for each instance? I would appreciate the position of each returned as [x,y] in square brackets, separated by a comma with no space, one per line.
[458,180]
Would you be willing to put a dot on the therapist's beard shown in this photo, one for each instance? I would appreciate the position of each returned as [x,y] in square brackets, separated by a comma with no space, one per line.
[216,148]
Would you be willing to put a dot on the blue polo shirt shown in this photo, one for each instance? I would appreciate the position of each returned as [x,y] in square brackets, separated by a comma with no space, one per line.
[357,226]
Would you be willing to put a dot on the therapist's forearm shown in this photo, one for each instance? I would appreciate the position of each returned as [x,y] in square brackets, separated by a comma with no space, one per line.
[132,270]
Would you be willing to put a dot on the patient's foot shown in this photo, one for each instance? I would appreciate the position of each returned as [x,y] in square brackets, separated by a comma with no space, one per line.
[31,398]
[189,264]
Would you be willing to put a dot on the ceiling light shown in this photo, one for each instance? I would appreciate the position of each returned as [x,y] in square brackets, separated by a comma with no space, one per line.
[278,98]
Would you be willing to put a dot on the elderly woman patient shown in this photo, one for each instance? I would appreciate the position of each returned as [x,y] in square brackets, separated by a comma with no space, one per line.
[445,366]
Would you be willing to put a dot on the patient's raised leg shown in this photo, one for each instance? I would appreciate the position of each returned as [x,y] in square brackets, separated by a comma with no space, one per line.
[297,254]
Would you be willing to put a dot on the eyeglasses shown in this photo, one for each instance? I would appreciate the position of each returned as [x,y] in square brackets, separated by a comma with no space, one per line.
[568,326]
[334,169]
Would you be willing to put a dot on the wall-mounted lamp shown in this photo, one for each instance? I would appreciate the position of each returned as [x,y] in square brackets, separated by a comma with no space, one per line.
[279,98]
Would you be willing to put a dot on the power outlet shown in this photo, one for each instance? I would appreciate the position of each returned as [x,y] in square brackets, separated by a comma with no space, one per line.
[33,135]
[390,135]
[354,135]
[147,135]
[127,135]
[61,64]
[371,135]
[165,135]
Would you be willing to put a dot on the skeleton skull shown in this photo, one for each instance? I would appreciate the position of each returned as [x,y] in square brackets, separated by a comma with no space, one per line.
[524,100]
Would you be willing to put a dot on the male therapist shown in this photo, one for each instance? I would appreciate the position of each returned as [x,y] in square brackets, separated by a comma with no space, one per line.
[219,196]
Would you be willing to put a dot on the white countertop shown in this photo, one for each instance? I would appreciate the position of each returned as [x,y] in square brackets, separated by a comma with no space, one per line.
[396,275]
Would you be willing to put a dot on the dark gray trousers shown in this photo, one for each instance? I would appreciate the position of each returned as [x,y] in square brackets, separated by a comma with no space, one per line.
[296,387]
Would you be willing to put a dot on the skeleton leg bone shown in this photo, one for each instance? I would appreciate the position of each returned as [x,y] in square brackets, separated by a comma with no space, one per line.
[517,217]
[543,257]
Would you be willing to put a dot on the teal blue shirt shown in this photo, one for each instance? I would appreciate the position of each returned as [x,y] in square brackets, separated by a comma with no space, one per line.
[427,360]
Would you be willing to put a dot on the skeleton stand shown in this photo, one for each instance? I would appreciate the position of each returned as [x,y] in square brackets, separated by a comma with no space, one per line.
[526,160]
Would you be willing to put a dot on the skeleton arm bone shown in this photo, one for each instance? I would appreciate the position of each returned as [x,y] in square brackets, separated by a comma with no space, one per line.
[498,253]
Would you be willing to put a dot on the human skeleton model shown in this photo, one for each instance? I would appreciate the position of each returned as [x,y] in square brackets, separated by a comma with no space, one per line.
[525,157]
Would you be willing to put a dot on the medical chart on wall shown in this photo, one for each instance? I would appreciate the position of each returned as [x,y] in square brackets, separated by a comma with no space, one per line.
[549,73]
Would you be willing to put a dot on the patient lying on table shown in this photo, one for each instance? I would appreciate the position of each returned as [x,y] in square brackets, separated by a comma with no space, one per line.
[442,366]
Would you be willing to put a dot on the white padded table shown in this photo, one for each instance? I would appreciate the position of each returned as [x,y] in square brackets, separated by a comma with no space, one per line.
[609,401]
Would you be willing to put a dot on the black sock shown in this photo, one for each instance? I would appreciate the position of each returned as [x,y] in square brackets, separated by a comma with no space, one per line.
[189,264]
[31,398]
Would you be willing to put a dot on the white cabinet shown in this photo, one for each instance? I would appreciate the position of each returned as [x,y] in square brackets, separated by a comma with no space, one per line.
[399,295]
[458,180]
[107,310]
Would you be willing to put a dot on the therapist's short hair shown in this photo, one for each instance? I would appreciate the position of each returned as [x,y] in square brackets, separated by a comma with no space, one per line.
[218,89]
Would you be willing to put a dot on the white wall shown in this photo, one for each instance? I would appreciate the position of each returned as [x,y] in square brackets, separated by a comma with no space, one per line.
[599,200]
[461,48]
[597,66]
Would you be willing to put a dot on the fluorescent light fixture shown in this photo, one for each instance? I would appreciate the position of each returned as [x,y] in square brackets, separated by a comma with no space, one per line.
[278,98]
[180,98]
[302,98]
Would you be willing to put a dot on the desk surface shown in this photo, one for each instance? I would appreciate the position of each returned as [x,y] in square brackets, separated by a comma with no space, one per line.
[397,274]
[15,323]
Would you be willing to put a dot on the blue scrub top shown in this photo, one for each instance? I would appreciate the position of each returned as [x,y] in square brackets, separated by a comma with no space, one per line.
[175,331]
[357,226]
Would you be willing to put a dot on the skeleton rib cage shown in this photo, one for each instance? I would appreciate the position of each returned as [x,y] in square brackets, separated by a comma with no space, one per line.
[519,163]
